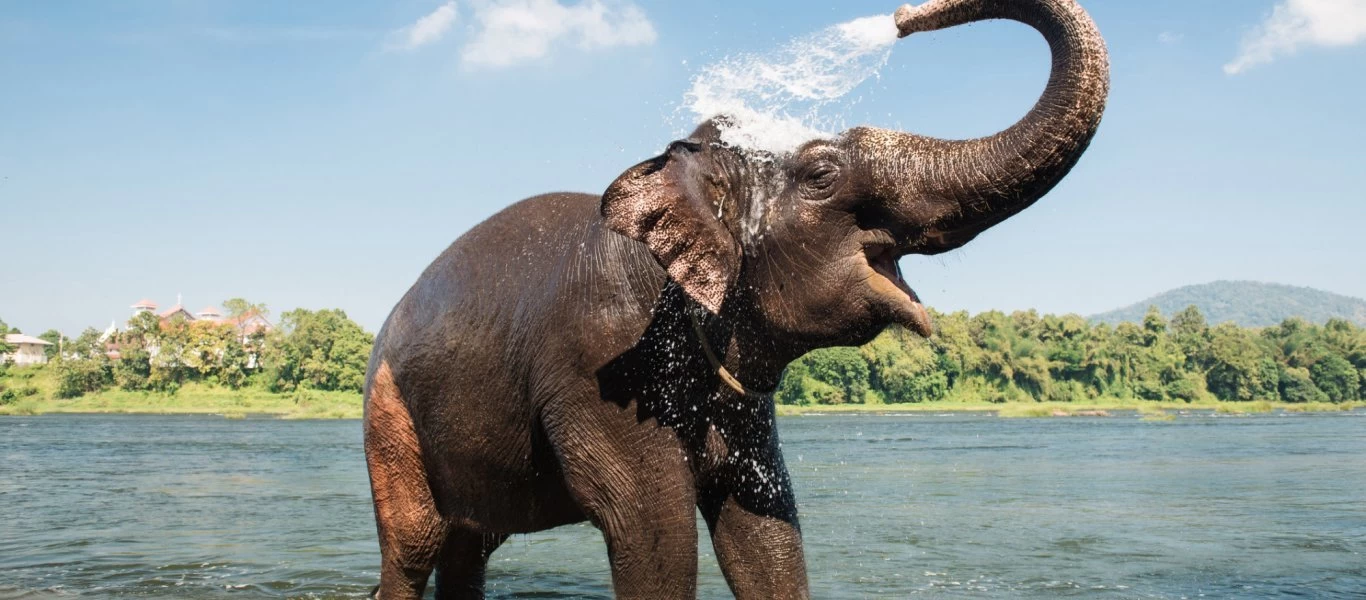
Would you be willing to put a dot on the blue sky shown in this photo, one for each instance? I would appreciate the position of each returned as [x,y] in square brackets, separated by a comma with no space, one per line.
[321,154]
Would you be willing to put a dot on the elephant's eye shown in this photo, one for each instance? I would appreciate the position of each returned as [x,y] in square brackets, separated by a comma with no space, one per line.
[821,178]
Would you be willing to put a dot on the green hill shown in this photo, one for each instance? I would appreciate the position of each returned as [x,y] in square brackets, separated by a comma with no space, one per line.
[1247,303]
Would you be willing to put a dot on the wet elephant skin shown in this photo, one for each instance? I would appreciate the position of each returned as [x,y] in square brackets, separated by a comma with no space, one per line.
[552,365]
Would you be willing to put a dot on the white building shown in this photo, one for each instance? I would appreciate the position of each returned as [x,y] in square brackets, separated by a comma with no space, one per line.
[28,350]
[143,306]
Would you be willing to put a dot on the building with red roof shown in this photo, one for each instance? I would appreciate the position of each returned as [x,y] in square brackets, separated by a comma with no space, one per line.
[248,324]
[177,310]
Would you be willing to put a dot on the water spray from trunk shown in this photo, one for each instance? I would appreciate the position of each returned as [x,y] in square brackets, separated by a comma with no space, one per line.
[780,99]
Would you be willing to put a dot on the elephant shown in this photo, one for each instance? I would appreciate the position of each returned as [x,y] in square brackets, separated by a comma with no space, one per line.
[611,358]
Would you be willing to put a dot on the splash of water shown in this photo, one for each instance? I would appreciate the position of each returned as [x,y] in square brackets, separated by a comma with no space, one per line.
[780,99]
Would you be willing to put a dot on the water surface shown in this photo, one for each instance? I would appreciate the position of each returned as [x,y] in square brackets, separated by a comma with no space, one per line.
[936,506]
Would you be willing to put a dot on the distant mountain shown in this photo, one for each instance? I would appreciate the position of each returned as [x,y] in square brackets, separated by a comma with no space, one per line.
[1247,303]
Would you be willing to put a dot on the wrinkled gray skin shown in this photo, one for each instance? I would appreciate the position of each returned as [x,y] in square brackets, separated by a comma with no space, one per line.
[544,369]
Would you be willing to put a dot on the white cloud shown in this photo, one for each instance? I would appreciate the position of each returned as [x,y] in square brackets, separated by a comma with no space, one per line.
[1296,23]
[516,31]
[1170,38]
[428,29]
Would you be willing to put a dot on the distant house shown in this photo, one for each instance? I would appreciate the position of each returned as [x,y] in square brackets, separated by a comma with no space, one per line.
[249,323]
[143,306]
[175,311]
[28,350]
[246,325]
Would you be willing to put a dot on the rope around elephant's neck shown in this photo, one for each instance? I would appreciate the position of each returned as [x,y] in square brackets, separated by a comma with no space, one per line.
[721,370]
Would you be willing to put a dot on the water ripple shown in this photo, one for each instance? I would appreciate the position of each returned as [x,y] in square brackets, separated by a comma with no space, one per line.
[949,507]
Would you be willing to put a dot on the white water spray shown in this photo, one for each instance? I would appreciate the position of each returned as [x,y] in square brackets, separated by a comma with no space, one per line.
[780,99]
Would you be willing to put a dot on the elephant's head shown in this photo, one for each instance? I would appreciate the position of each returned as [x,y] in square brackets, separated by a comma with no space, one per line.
[807,242]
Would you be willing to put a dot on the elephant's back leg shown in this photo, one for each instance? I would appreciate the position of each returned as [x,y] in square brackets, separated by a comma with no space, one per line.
[411,530]
[461,564]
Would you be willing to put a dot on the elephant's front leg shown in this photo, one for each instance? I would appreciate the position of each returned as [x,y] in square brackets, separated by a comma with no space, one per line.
[632,481]
[760,556]
[752,513]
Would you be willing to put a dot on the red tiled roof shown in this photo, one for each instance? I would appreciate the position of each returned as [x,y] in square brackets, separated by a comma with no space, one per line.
[145,303]
[172,311]
[210,310]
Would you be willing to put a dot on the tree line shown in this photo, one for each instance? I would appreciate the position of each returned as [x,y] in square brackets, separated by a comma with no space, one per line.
[320,350]
[988,357]
[1021,357]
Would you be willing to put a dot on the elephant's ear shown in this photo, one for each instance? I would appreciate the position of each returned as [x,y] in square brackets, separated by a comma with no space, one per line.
[664,203]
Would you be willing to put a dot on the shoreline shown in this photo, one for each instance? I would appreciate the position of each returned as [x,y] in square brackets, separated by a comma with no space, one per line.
[198,399]
[1090,408]
[309,404]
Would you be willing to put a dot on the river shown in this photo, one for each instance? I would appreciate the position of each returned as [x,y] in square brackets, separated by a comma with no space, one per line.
[935,506]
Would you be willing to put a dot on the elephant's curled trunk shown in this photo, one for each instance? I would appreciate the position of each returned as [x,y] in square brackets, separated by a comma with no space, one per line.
[956,189]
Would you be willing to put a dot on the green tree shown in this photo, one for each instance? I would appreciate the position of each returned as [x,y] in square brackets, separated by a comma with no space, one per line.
[1027,323]
[321,350]
[87,345]
[234,364]
[170,354]
[54,337]
[1154,326]
[80,376]
[1159,366]
[952,344]
[145,325]
[1188,387]
[238,309]
[1065,339]
[1296,342]
[133,371]
[5,347]
[207,346]
[1191,332]
[844,370]
[789,390]
[993,333]
[1297,386]
[994,357]
[1337,378]
[903,368]
[1241,369]
[800,388]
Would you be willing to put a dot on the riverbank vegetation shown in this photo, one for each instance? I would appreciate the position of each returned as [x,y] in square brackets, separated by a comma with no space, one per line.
[1017,365]
[312,365]
[993,358]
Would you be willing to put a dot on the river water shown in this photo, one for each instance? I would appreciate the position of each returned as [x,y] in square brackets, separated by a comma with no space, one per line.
[936,506]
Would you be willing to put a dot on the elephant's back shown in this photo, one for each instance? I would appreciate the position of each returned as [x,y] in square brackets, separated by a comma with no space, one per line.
[475,285]
[543,279]
[500,320]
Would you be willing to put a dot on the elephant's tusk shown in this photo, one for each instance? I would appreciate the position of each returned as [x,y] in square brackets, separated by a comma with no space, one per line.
[721,370]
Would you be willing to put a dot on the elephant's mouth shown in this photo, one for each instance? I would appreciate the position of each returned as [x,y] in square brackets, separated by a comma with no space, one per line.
[881,255]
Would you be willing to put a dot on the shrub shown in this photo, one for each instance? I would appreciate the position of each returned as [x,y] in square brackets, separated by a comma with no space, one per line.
[81,376]
[1296,386]
[1336,377]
